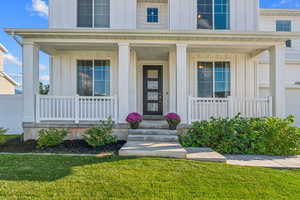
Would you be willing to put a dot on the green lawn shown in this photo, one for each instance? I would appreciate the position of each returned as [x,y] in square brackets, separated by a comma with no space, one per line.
[64,177]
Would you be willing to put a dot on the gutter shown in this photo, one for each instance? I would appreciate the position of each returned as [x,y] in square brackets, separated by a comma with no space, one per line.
[13,34]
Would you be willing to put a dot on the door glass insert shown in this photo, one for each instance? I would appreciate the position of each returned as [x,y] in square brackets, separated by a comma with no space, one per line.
[152,96]
[153,107]
[152,74]
[153,85]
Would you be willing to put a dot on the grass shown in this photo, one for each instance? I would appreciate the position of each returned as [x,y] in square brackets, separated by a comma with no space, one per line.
[66,177]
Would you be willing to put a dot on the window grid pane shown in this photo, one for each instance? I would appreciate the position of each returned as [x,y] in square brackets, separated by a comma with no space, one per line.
[204,14]
[205,79]
[102,78]
[222,14]
[213,14]
[152,15]
[214,79]
[85,78]
[93,78]
[283,26]
[101,13]
[85,13]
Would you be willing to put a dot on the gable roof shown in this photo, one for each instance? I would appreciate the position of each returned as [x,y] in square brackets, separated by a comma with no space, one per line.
[10,79]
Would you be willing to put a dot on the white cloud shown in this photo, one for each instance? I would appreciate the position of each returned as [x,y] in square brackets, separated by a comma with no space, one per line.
[43,67]
[9,58]
[45,78]
[40,7]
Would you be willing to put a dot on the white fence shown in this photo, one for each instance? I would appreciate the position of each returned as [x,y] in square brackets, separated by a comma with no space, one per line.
[75,108]
[204,108]
[11,113]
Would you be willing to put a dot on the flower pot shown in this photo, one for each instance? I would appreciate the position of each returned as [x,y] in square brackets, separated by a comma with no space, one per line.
[134,125]
[172,126]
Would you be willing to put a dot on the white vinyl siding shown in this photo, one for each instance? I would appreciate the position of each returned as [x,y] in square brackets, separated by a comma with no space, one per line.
[142,15]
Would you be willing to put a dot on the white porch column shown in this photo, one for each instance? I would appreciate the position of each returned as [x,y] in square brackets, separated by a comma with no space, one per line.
[123,71]
[277,83]
[181,81]
[30,79]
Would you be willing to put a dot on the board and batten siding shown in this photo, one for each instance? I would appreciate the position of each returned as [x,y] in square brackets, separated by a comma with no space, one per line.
[244,15]
[63,14]
[163,15]
[243,70]
[63,72]
[178,15]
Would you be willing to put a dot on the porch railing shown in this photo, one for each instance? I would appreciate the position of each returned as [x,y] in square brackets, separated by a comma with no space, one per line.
[75,108]
[204,108]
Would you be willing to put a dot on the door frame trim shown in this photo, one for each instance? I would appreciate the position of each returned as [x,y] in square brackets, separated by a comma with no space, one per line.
[166,82]
[160,88]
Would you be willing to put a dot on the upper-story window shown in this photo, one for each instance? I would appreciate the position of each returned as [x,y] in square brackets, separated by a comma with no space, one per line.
[213,14]
[94,13]
[152,15]
[284,26]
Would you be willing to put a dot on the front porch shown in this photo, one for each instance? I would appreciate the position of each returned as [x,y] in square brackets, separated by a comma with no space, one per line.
[198,78]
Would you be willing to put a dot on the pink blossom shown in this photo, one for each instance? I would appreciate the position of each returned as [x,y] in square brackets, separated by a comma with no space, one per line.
[134,117]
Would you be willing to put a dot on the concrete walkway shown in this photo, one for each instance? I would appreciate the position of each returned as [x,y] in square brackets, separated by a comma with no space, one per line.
[280,162]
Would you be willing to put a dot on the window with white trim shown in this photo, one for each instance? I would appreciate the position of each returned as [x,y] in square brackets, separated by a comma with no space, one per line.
[213,14]
[93,77]
[213,79]
[93,13]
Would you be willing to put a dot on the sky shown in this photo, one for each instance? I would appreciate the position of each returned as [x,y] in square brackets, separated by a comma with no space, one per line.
[34,14]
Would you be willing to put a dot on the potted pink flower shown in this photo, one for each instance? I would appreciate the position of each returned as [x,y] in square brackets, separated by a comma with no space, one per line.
[134,119]
[173,120]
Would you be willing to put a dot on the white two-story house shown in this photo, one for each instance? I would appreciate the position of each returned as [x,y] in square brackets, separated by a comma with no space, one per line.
[198,58]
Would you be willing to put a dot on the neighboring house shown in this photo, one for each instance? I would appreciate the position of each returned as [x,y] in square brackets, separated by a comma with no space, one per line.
[7,84]
[283,20]
[199,58]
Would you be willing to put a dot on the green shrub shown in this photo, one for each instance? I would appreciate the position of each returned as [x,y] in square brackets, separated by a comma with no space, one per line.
[269,136]
[2,135]
[100,135]
[51,137]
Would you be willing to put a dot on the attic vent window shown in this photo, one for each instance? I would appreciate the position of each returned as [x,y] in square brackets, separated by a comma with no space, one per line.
[152,15]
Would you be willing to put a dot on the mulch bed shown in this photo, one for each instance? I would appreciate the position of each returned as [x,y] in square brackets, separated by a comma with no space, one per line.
[67,147]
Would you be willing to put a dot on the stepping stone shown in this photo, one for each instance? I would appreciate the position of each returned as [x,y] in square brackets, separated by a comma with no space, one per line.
[204,154]
[153,149]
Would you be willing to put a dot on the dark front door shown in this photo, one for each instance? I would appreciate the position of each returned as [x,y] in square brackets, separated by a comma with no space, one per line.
[153,90]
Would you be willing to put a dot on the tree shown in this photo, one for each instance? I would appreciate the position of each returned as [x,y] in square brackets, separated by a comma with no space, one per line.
[44,88]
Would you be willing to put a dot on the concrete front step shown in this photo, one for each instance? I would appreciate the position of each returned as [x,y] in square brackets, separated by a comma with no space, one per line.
[152,132]
[153,149]
[154,124]
[153,138]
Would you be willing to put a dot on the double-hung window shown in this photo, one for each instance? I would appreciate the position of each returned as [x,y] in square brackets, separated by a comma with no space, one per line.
[152,15]
[284,26]
[213,14]
[94,13]
[93,77]
[213,79]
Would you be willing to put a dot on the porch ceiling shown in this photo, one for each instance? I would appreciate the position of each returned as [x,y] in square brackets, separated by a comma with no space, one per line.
[51,40]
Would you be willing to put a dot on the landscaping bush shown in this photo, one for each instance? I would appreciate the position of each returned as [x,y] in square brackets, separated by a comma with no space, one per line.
[51,137]
[269,136]
[2,135]
[100,135]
